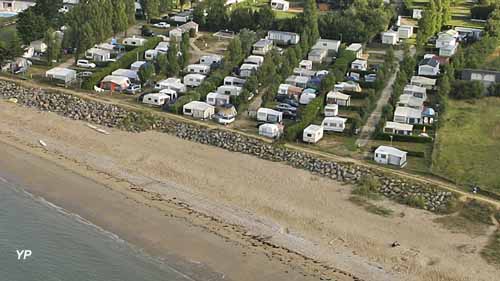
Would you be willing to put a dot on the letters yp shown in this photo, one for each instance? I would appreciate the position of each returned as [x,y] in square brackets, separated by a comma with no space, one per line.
[23,254]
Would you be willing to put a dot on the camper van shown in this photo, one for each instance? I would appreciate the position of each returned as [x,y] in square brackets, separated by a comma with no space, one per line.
[134,41]
[156,99]
[211,60]
[270,130]
[193,80]
[171,83]
[234,81]
[198,68]
[217,99]
[269,115]
[307,96]
[312,134]
[334,124]
[331,110]
[229,90]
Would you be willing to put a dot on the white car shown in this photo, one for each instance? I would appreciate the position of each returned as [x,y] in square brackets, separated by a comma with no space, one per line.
[161,25]
[85,64]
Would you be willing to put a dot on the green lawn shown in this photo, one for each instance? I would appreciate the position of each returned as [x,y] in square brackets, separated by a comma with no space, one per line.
[6,32]
[468,147]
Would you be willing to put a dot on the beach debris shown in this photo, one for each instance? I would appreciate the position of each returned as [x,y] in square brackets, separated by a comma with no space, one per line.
[12,100]
[395,244]
[102,131]
[42,143]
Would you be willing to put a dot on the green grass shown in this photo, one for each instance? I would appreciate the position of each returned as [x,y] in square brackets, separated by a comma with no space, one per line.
[284,15]
[468,146]
[7,32]
[491,252]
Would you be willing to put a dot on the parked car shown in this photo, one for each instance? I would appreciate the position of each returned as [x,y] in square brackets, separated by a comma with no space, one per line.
[147,32]
[285,107]
[286,99]
[133,89]
[85,64]
[161,24]
[289,115]
[84,74]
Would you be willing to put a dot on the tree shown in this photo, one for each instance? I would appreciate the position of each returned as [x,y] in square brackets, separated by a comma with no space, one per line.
[247,38]
[4,54]
[185,49]
[173,67]
[49,10]
[216,14]
[120,19]
[30,26]
[242,18]
[53,45]
[310,18]
[130,10]
[151,8]
[14,47]
[265,17]
[146,72]
[161,64]
[235,53]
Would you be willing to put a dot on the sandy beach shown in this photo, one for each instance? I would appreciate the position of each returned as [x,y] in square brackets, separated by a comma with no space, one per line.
[225,212]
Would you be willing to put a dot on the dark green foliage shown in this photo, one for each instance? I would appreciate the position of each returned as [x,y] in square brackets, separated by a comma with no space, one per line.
[466,90]
[146,72]
[307,117]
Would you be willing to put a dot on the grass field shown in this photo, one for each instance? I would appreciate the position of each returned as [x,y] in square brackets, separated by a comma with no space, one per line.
[6,33]
[468,146]
[460,12]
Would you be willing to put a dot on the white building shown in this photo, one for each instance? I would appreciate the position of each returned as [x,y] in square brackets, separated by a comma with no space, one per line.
[280,5]
[312,134]
[417,14]
[405,31]
[198,110]
[334,124]
[134,41]
[357,48]
[298,81]
[137,65]
[448,51]
[270,130]
[331,110]
[234,81]
[229,90]
[332,46]
[422,81]
[306,64]
[428,67]
[388,155]
[98,55]
[171,83]
[253,59]
[359,64]
[447,38]
[247,69]
[398,128]
[350,86]
[217,99]
[317,55]
[416,91]
[390,37]
[64,75]
[407,100]
[193,80]
[262,46]
[210,59]
[407,115]
[336,97]
[156,99]
[198,68]
[283,38]
[269,115]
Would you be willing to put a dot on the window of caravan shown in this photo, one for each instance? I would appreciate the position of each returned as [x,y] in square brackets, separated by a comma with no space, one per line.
[187,110]
[272,118]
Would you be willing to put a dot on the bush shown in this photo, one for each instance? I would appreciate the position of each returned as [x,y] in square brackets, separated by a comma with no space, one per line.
[415,201]
[310,113]
[124,62]
[403,138]
[368,186]
[466,89]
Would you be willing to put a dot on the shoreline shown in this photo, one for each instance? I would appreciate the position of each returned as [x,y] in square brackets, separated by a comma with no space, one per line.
[267,217]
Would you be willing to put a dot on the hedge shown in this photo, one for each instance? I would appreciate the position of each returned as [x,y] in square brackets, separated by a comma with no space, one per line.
[403,138]
[124,62]
[310,112]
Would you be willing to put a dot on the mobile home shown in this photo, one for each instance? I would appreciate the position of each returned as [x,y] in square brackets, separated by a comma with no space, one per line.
[253,59]
[134,41]
[280,5]
[198,68]
[270,130]
[198,110]
[211,60]
[171,83]
[262,47]
[398,128]
[234,81]
[336,97]
[312,134]
[229,90]
[331,110]
[334,124]
[388,155]
[246,69]
[283,37]
[269,115]
[193,80]
[156,99]
[217,99]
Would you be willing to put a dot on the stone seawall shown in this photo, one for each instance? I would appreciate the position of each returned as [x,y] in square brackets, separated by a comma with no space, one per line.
[392,186]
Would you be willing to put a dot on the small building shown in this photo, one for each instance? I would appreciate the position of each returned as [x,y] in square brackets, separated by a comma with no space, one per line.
[280,5]
[177,32]
[331,110]
[390,37]
[405,31]
[407,115]
[115,83]
[303,72]
[487,77]
[317,55]
[234,81]
[283,38]
[229,90]
[172,95]
[253,59]
[416,91]
[447,38]
[193,80]
[217,99]
[134,41]
[332,46]
[269,115]
[198,68]
[357,49]
[468,32]
[108,47]
[349,86]
[171,83]
[388,155]
[182,17]
[150,55]
[306,64]
[137,65]
[64,75]
[334,124]
[307,96]
[406,100]
[297,81]
[398,128]
[156,99]
[336,97]
[417,14]
[359,64]
[448,51]
[38,46]
[247,69]
[270,130]
[424,82]
[130,74]
[312,134]
[98,55]
[428,67]
[211,60]
[289,90]
[198,110]
[262,46]
[225,114]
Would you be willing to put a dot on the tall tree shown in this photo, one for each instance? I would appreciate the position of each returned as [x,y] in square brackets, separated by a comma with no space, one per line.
[14,47]
[265,17]
[53,45]
[216,14]
[173,67]
[185,49]
[119,19]
[310,18]
[235,53]
[151,8]
[130,10]
[30,25]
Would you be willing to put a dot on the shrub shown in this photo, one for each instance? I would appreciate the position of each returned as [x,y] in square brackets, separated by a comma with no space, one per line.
[466,89]
[368,186]
[416,201]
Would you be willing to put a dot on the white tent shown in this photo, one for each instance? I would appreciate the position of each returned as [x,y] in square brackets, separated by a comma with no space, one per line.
[65,75]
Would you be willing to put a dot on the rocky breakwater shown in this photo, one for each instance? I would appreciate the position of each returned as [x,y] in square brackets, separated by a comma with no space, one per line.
[417,194]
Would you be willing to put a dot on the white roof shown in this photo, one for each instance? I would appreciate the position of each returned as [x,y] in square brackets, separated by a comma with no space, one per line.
[106,46]
[398,126]
[157,95]
[168,91]
[211,56]
[198,105]
[98,51]
[269,111]
[115,79]
[408,112]
[337,95]
[269,126]
[415,88]
[248,66]
[335,119]
[305,62]
[423,80]
[390,150]
[195,75]
[215,95]
[198,66]
[332,106]
[60,71]
[354,47]
[263,43]
[358,61]
[410,100]
[300,79]
[126,73]
[313,128]
[327,44]
[162,46]
[254,59]
[137,64]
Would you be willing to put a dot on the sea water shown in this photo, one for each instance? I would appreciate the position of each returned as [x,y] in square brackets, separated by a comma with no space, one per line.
[63,246]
